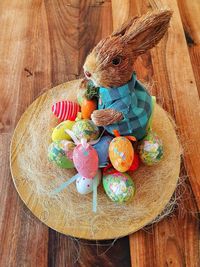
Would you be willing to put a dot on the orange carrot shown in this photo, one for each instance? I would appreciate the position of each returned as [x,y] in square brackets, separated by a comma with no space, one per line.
[87,107]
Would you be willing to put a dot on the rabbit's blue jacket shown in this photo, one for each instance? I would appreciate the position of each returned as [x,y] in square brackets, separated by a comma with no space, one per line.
[135,103]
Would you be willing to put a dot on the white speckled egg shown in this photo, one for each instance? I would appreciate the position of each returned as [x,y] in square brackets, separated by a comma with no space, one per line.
[85,185]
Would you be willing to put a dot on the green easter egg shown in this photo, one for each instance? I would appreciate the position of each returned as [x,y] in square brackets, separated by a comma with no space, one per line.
[119,187]
[151,149]
[86,129]
[59,131]
[57,155]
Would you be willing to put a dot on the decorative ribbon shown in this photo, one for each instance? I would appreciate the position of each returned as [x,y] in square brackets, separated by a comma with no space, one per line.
[94,201]
[64,185]
[129,137]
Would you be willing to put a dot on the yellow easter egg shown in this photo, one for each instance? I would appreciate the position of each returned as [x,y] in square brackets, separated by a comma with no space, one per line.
[59,131]
[121,153]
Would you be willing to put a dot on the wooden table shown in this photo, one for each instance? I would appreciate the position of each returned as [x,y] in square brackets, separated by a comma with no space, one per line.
[44,43]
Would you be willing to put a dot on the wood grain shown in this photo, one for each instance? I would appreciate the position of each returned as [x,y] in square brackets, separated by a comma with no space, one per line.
[189,12]
[156,68]
[66,251]
[89,21]
[23,238]
[39,41]
[44,44]
[184,94]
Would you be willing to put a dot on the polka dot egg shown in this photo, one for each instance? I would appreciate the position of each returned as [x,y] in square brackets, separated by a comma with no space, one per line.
[85,185]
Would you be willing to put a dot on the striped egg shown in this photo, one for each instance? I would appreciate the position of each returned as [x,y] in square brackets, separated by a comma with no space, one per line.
[65,110]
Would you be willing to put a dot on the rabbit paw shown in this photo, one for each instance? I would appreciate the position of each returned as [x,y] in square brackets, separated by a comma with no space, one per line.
[106,117]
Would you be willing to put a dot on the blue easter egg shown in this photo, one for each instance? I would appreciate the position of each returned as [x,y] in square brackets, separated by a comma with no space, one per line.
[102,150]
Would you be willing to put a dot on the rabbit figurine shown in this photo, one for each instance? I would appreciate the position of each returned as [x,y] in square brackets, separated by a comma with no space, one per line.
[124,103]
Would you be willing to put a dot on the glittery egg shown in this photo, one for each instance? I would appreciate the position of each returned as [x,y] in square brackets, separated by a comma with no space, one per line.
[86,129]
[85,185]
[151,149]
[68,147]
[65,110]
[102,150]
[57,154]
[121,153]
[119,187]
[59,131]
[86,161]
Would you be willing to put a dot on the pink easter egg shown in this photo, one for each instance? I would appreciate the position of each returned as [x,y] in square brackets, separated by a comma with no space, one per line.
[65,110]
[85,160]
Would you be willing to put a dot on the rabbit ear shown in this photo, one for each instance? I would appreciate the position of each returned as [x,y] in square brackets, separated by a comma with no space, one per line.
[124,27]
[146,31]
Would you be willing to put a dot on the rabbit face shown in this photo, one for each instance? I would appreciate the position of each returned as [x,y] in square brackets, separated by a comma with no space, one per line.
[109,64]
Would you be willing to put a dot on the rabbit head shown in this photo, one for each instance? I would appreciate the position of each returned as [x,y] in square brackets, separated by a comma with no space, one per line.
[110,64]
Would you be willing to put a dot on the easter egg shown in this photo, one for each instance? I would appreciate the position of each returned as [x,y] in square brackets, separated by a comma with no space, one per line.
[57,155]
[59,131]
[86,129]
[65,110]
[85,185]
[86,161]
[68,147]
[151,149]
[102,150]
[119,187]
[121,153]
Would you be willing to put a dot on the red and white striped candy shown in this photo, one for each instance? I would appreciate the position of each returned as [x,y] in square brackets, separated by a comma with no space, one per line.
[65,110]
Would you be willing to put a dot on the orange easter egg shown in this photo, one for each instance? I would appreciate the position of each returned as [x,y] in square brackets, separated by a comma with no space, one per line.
[121,153]
[87,107]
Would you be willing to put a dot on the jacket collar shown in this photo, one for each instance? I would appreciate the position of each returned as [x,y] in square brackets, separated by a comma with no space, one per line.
[117,92]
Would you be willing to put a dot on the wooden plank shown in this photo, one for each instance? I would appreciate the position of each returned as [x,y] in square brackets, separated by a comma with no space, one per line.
[84,23]
[171,242]
[23,238]
[43,46]
[182,92]
[66,251]
[29,64]
[167,243]
[189,11]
